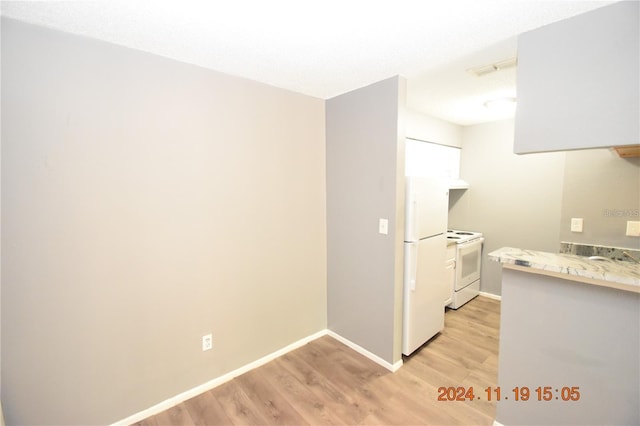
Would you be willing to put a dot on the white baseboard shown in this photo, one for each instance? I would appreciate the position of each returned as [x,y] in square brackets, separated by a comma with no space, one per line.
[495,423]
[491,296]
[373,357]
[175,400]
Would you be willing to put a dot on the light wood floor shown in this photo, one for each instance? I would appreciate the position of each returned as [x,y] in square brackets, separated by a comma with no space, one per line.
[325,382]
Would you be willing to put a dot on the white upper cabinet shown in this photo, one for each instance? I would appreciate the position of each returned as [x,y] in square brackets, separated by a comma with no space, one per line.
[433,160]
[578,82]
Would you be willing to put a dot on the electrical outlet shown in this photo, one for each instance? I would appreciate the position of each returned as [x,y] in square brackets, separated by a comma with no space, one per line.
[207,342]
[633,228]
[576,224]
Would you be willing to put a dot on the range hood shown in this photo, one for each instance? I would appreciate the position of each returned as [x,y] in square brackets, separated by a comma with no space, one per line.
[458,184]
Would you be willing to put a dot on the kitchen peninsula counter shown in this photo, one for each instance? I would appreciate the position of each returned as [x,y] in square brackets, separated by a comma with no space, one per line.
[569,325]
[617,274]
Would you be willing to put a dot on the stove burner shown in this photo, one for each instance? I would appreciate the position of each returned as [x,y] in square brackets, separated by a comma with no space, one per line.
[455,236]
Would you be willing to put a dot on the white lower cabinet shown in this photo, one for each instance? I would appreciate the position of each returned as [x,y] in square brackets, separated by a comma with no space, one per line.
[450,273]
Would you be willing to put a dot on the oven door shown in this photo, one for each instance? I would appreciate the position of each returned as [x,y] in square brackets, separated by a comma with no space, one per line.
[468,261]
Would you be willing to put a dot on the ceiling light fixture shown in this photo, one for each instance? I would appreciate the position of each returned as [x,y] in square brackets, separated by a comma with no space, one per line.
[501,104]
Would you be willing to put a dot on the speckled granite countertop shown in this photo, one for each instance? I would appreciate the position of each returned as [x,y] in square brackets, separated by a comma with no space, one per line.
[609,273]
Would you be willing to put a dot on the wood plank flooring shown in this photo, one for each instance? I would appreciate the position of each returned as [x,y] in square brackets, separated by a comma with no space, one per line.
[325,382]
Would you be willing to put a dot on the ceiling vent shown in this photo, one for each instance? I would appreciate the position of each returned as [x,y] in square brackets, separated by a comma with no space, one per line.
[496,66]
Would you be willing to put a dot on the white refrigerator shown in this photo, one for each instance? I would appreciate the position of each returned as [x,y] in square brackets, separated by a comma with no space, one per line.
[425,243]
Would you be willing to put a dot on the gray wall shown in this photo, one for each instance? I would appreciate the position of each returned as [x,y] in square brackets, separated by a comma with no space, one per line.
[146,202]
[604,190]
[365,181]
[560,333]
[514,200]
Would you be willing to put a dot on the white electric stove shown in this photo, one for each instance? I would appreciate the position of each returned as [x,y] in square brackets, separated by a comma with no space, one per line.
[466,284]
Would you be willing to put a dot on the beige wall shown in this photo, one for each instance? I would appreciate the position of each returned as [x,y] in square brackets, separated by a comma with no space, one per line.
[514,200]
[604,190]
[430,129]
[146,202]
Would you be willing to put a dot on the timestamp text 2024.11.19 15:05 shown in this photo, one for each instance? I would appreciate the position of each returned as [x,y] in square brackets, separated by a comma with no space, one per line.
[518,393]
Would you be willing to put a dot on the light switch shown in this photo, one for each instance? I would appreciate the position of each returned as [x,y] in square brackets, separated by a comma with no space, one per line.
[576,224]
[633,228]
[383,226]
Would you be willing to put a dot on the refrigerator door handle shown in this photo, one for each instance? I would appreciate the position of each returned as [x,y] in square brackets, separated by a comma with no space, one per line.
[411,218]
[411,265]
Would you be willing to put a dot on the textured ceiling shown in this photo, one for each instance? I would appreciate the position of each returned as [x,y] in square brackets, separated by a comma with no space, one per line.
[325,48]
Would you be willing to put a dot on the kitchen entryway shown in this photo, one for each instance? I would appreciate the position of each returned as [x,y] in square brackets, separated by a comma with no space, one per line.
[325,382]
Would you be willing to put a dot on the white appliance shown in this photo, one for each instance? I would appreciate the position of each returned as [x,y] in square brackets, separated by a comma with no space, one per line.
[425,245]
[466,284]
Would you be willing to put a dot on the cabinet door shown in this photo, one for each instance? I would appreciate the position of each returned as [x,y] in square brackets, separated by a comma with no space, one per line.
[450,274]
[431,159]
[578,84]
